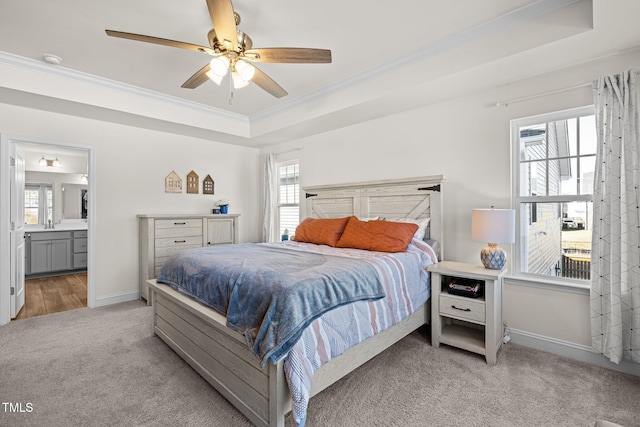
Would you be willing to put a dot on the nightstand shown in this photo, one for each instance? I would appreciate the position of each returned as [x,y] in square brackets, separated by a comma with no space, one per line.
[473,324]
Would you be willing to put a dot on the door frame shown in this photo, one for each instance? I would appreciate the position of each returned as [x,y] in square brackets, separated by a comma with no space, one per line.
[5,207]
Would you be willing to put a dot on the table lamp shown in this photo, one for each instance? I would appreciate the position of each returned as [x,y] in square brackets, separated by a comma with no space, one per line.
[493,226]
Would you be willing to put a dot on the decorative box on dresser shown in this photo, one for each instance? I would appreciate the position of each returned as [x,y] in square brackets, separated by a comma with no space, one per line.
[163,235]
[473,324]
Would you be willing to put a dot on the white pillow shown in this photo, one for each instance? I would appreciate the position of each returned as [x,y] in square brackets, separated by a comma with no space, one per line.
[422,225]
[369,218]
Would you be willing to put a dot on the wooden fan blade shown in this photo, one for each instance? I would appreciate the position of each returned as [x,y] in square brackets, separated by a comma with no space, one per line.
[224,21]
[289,55]
[198,78]
[160,41]
[268,84]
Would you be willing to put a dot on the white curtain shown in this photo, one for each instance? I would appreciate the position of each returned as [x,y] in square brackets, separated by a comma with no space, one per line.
[270,192]
[615,256]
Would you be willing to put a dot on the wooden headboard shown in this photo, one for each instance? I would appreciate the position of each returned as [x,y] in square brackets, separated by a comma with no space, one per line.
[415,198]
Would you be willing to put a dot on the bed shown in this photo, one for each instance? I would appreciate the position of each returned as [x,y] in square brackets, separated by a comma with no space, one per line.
[258,388]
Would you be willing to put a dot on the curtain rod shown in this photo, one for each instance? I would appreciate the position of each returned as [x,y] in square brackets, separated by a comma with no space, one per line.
[288,151]
[551,92]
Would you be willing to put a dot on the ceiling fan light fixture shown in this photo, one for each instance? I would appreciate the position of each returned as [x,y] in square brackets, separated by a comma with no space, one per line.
[220,65]
[245,70]
[213,76]
[238,82]
[228,46]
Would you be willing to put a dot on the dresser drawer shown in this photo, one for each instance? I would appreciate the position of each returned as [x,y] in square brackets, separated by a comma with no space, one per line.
[178,242]
[167,251]
[160,260]
[178,227]
[178,232]
[462,308]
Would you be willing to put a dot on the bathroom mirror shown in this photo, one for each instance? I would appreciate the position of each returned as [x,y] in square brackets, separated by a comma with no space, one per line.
[74,201]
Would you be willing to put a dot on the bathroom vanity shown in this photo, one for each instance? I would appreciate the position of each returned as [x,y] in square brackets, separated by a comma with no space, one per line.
[55,250]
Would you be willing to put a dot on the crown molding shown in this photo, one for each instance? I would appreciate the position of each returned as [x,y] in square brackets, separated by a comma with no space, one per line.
[79,76]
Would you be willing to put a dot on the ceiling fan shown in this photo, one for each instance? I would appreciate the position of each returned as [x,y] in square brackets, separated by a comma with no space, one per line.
[233,50]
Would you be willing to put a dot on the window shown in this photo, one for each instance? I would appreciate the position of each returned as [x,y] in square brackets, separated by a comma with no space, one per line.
[554,164]
[288,196]
[38,203]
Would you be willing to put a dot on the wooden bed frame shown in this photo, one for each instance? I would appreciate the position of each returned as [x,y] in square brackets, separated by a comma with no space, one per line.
[199,335]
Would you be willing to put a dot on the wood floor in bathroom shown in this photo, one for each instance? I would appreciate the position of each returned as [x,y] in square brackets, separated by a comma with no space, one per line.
[46,295]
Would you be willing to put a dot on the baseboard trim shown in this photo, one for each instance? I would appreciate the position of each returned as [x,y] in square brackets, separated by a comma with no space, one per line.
[571,350]
[118,298]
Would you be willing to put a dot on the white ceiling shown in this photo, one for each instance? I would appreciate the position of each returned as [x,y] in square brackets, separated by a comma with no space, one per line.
[387,56]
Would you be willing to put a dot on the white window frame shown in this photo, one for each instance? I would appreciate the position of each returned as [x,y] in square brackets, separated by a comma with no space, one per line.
[518,201]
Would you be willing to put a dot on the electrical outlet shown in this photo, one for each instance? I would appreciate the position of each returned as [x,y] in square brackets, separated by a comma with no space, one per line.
[506,335]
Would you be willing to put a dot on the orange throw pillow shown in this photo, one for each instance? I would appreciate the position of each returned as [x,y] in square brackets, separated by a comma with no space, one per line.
[321,231]
[381,236]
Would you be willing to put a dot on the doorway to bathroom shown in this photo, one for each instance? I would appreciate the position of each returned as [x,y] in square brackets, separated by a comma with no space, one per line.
[51,228]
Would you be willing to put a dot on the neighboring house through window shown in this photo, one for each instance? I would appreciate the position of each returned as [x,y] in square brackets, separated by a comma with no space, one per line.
[554,163]
[288,196]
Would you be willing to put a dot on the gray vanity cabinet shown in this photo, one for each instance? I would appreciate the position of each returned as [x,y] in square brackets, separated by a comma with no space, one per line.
[50,251]
[80,249]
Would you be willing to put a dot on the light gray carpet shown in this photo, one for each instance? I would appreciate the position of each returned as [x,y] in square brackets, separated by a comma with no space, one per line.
[102,367]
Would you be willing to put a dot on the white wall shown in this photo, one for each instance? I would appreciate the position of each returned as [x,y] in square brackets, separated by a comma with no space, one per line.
[131,164]
[468,140]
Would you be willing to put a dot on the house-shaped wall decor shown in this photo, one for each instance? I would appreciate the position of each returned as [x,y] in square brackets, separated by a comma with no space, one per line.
[193,183]
[173,183]
[207,185]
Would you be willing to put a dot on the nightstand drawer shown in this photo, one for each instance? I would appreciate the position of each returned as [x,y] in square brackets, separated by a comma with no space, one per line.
[462,308]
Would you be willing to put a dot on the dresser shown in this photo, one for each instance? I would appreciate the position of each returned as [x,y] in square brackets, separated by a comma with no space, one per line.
[164,235]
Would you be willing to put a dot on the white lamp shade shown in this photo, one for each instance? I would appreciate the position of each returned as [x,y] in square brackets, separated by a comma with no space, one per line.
[220,65]
[238,82]
[214,77]
[493,225]
[245,70]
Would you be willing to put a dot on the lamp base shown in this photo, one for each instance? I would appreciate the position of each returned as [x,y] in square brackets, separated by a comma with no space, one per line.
[493,257]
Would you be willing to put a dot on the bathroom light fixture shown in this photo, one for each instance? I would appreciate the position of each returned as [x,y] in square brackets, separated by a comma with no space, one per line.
[46,162]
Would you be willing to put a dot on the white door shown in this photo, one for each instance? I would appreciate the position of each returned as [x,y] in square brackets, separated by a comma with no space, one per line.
[17,233]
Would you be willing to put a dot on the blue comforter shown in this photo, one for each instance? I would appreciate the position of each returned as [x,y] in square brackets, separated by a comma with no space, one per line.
[270,293]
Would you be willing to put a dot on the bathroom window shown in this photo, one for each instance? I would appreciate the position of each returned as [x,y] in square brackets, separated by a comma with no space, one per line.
[38,203]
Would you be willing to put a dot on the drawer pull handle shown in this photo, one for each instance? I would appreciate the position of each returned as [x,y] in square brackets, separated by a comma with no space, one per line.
[461,309]
[179,241]
[179,223]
